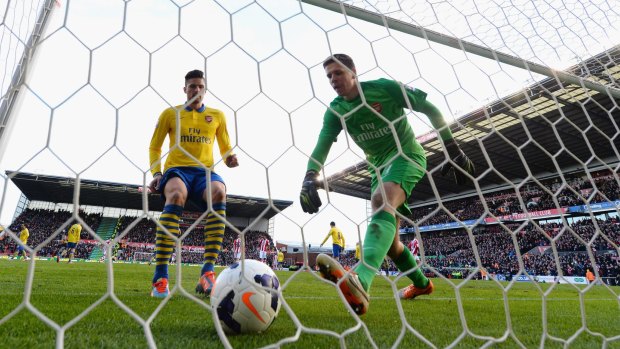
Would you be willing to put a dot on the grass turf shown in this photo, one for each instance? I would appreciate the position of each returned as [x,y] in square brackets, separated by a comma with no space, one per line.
[469,314]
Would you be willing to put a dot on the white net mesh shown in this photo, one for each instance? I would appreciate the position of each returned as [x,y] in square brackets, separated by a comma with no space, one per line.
[83,82]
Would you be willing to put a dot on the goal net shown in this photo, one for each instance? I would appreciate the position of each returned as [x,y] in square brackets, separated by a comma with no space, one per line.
[143,257]
[527,255]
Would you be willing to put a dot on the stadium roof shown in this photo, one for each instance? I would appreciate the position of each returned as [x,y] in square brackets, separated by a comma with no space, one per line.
[533,111]
[108,194]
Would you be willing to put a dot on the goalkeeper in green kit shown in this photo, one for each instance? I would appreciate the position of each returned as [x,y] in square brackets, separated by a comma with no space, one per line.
[375,120]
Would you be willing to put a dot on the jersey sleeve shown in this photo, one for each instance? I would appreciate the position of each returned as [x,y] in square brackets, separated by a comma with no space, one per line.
[417,102]
[330,130]
[159,135]
[327,237]
[223,140]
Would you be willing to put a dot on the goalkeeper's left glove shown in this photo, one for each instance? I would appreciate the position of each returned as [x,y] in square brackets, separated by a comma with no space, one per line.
[309,196]
[461,160]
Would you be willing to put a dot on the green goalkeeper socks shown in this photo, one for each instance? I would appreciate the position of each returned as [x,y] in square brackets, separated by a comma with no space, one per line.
[406,262]
[379,238]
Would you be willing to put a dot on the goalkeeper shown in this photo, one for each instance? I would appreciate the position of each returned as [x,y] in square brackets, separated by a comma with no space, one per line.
[376,122]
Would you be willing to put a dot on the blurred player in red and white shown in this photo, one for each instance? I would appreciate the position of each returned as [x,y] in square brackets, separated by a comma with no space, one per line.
[263,247]
[237,249]
[104,247]
[414,247]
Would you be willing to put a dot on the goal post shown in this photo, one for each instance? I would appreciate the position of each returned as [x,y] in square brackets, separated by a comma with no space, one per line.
[143,257]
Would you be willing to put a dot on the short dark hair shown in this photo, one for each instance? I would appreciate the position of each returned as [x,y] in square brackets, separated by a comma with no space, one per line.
[339,58]
[332,224]
[194,74]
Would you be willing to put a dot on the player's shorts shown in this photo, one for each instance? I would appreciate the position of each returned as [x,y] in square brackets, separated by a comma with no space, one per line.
[195,182]
[71,244]
[336,249]
[401,171]
[20,248]
[262,254]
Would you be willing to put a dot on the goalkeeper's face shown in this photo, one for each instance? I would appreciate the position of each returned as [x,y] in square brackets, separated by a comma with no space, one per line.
[342,79]
[195,88]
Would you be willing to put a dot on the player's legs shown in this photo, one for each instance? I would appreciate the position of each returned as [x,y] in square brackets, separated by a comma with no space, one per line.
[336,252]
[213,234]
[21,251]
[175,192]
[71,254]
[405,262]
[351,287]
[71,248]
[60,253]
[380,231]
[17,252]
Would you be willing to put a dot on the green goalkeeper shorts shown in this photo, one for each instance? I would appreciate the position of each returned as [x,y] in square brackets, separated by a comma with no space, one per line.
[406,171]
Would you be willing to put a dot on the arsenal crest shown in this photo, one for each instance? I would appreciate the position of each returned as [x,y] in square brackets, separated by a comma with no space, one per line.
[208,118]
[377,106]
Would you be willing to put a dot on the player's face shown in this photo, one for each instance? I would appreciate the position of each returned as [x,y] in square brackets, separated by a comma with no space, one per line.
[193,87]
[343,80]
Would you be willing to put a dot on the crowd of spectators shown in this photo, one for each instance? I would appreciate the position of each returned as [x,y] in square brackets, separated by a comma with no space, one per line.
[453,252]
[576,190]
[42,224]
[499,248]
[143,232]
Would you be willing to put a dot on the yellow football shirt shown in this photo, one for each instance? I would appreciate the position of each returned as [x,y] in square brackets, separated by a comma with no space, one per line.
[198,131]
[74,233]
[336,235]
[23,235]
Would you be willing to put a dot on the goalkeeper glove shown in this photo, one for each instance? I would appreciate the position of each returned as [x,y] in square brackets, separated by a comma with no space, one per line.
[309,196]
[461,160]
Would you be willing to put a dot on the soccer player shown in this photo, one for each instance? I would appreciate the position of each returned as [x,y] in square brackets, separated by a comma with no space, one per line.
[23,237]
[337,240]
[61,248]
[414,247]
[237,249]
[104,249]
[357,252]
[280,259]
[2,233]
[185,179]
[73,237]
[263,246]
[375,119]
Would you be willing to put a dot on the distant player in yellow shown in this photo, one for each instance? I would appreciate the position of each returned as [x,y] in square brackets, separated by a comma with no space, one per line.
[358,255]
[280,259]
[2,233]
[23,237]
[73,237]
[185,178]
[337,240]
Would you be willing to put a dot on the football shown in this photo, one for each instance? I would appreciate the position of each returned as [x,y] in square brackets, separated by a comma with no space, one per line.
[245,297]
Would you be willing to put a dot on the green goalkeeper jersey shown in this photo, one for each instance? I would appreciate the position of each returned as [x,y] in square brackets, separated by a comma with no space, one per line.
[368,130]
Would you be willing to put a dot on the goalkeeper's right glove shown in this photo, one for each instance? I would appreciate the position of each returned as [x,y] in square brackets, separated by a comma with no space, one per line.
[309,196]
[461,160]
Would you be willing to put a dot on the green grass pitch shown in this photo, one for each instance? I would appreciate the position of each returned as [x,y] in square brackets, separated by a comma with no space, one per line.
[63,291]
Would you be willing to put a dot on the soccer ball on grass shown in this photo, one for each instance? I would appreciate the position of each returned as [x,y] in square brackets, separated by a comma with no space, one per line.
[245,300]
